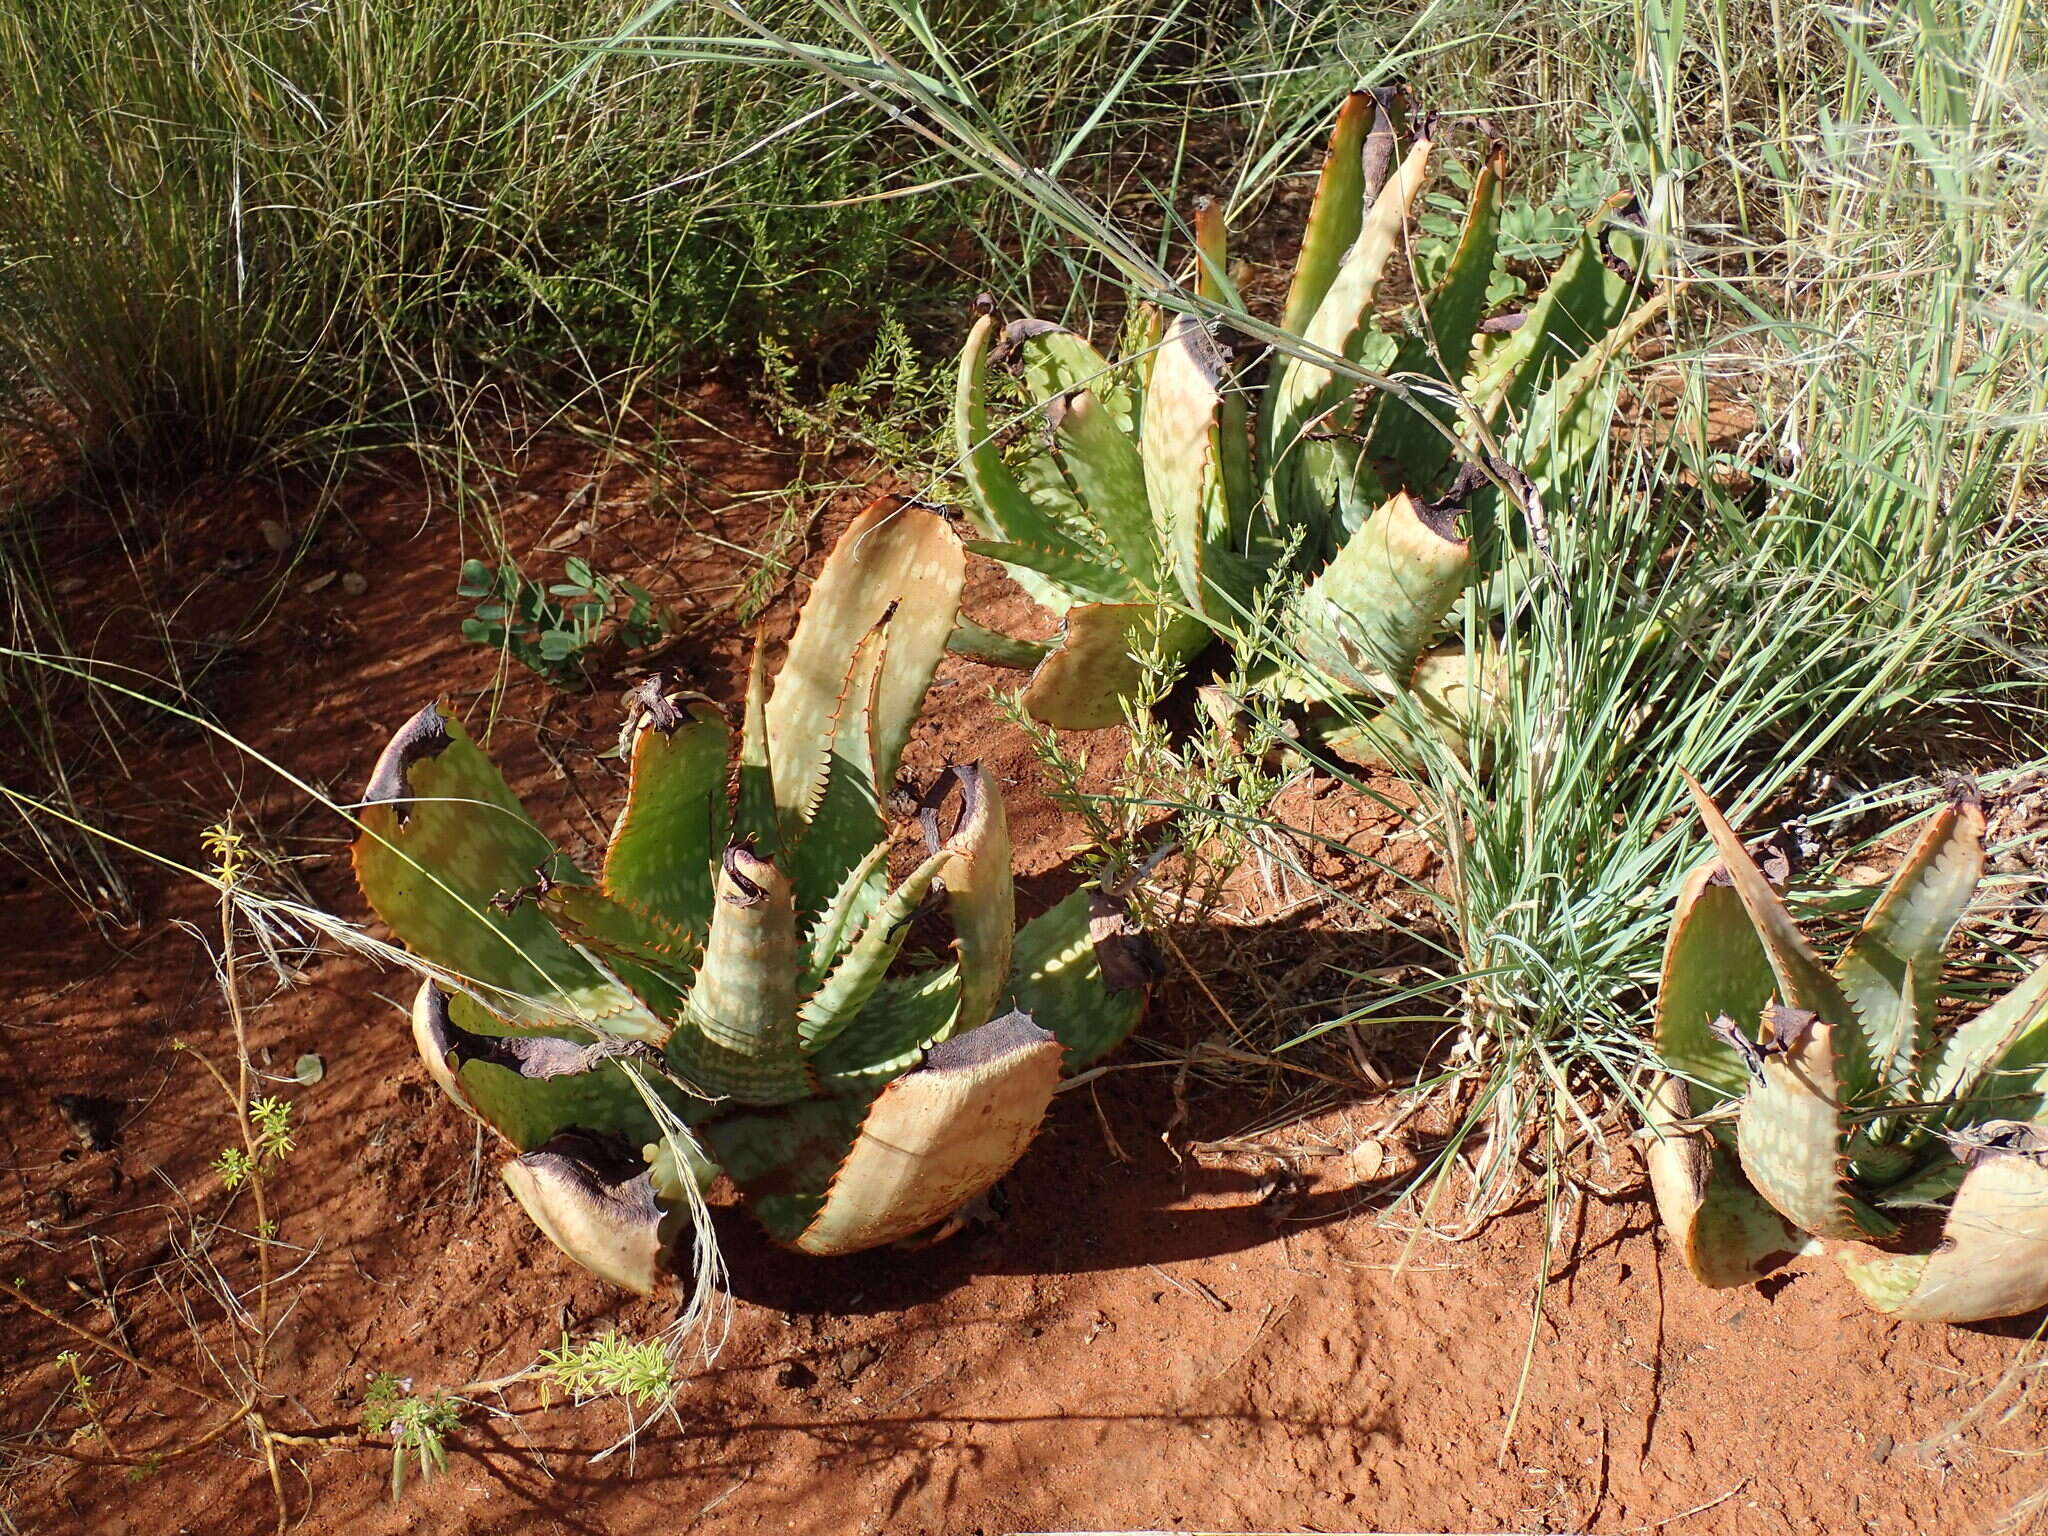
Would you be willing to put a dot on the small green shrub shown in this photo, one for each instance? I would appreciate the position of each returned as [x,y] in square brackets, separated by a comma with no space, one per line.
[553,629]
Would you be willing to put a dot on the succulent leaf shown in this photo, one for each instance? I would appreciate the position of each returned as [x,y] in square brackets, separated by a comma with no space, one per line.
[1364,621]
[1565,427]
[739,1034]
[994,647]
[669,835]
[1060,978]
[1414,437]
[1073,577]
[980,895]
[1714,967]
[1994,1063]
[783,1161]
[447,856]
[652,958]
[1083,681]
[1891,971]
[938,1136]
[754,820]
[1057,363]
[527,1088]
[1308,392]
[1102,466]
[595,1201]
[1992,1260]
[897,562]
[1001,506]
[1178,441]
[834,832]
[1725,1234]
[866,961]
[1791,1133]
[1448,692]
[1583,301]
[852,905]
[906,1016]
[1803,982]
[1335,215]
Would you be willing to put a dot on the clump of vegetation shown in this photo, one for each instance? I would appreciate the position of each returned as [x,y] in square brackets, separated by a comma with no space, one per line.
[726,993]
[1835,1103]
[1149,497]
[554,630]
[418,1427]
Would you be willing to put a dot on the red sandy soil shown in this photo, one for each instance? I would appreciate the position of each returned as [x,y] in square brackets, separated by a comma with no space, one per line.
[1202,1308]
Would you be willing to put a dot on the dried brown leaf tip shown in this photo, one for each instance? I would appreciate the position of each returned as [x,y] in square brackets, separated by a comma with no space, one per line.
[2000,1138]
[1788,1028]
[1732,1035]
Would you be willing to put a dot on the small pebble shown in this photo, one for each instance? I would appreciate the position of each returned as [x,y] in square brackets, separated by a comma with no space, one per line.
[275,534]
[354,584]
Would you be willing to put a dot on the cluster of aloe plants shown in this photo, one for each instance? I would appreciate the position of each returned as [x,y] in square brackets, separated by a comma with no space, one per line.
[1828,1106]
[1149,501]
[729,992]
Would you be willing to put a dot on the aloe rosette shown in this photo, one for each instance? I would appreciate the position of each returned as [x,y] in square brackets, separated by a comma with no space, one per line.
[1834,1107]
[736,968]
[1147,501]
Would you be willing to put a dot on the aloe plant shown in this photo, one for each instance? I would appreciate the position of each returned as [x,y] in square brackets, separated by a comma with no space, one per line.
[1147,500]
[728,991]
[1832,1107]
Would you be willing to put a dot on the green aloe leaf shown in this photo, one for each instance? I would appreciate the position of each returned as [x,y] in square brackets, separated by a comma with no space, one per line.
[1714,967]
[1891,971]
[501,1075]
[994,647]
[897,562]
[1566,426]
[1074,578]
[864,963]
[938,1136]
[980,895]
[1448,694]
[1307,393]
[862,892]
[1364,621]
[1335,215]
[838,832]
[1994,1063]
[1413,438]
[1107,477]
[1791,1131]
[675,822]
[1056,362]
[754,820]
[1992,1259]
[1001,505]
[783,1162]
[451,862]
[1803,982]
[906,1015]
[1178,441]
[1057,977]
[1092,669]
[738,1038]
[1583,302]
[646,953]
